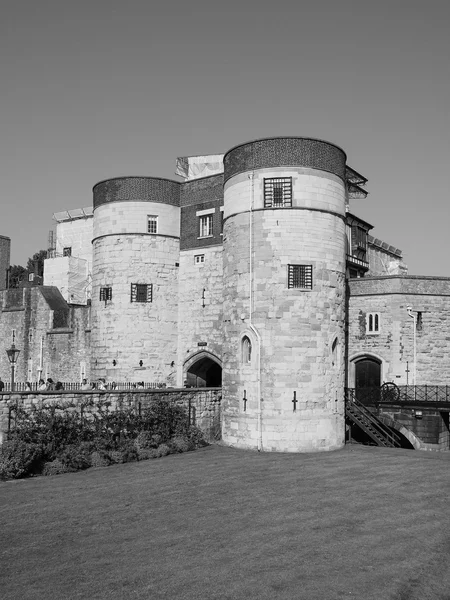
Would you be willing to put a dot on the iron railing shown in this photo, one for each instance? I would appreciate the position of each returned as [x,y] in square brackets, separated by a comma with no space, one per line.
[402,393]
[68,386]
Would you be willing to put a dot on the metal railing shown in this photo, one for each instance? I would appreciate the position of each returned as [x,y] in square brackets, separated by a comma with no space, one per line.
[68,386]
[401,393]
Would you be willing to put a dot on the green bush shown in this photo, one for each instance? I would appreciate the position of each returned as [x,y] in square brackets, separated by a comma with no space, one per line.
[19,459]
[68,437]
[180,444]
[56,467]
[163,450]
[145,454]
[100,458]
[76,456]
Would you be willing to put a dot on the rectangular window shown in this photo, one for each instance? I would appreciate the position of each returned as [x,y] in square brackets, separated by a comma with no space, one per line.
[105,294]
[300,276]
[372,323]
[67,251]
[199,259]
[30,276]
[152,224]
[206,225]
[141,292]
[278,192]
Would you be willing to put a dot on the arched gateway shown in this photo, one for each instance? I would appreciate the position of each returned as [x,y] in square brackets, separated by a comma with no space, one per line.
[203,370]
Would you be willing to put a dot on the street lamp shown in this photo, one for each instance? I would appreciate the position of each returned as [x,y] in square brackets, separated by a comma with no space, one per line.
[12,353]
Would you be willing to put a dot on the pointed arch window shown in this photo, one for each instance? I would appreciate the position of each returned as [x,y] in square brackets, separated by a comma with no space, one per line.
[246,350]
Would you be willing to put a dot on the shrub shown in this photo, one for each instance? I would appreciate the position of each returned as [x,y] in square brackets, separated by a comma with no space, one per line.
[148,453]
[163,450]
[100,458]
[196,437]
[55,467]
[180,444]
[116,456]
[19,459]
[76,457]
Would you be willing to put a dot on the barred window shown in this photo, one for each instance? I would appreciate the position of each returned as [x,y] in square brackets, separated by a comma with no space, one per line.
[300,276]
[152,224]
[141,292]
[206,225]
[105,293]
[372,323]
[278,192]
[67,251]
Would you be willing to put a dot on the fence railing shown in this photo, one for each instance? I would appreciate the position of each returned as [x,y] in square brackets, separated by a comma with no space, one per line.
[400,393]
[21,386]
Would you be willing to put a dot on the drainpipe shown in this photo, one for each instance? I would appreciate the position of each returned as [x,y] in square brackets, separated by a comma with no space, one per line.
[413,317]
[250,324]
[41,358]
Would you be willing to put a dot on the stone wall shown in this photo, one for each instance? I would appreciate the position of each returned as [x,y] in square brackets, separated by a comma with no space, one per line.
[203,404]
[393,346]
[65,351]
[200,306]
[5,254]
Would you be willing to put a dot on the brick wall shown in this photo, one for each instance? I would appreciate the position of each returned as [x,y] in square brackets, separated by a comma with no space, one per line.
[198,195]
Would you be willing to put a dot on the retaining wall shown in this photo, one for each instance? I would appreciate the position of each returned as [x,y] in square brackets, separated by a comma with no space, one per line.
[203,404]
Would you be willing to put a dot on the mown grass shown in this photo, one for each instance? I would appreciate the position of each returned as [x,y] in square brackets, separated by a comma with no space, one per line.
[220,523]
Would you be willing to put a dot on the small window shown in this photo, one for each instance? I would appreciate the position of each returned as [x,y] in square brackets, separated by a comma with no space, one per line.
[141,292]
[246,350]
[30,276]
[278,192]
[419,321]
[30,369]
[152,224]
[67,251]
[199,259]
[334,352]
[372,323]
[105,294]
[300,276]
[206,226]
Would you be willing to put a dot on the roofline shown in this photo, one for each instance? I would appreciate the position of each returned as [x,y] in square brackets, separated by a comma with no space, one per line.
[286,137]
[136,177]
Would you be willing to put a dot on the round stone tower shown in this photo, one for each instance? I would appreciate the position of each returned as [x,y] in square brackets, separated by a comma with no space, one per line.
[136,247]
[284,295]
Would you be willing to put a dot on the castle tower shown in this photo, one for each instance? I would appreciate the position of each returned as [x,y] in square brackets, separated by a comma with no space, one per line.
[284,295]
[136,247]
[5,253]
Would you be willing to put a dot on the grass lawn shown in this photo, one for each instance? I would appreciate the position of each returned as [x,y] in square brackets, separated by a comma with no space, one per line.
[220,523]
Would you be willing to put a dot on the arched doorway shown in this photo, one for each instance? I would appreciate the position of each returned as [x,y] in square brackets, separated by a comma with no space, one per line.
[367,373]
[203,370]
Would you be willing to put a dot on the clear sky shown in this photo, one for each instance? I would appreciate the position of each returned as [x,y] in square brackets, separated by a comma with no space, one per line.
[103,88]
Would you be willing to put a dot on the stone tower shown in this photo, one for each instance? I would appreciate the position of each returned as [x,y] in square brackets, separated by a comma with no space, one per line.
[5,253]
[136,246]
[284,295]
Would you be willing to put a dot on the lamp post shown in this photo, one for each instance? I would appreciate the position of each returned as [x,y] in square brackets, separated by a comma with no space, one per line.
[12,353]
